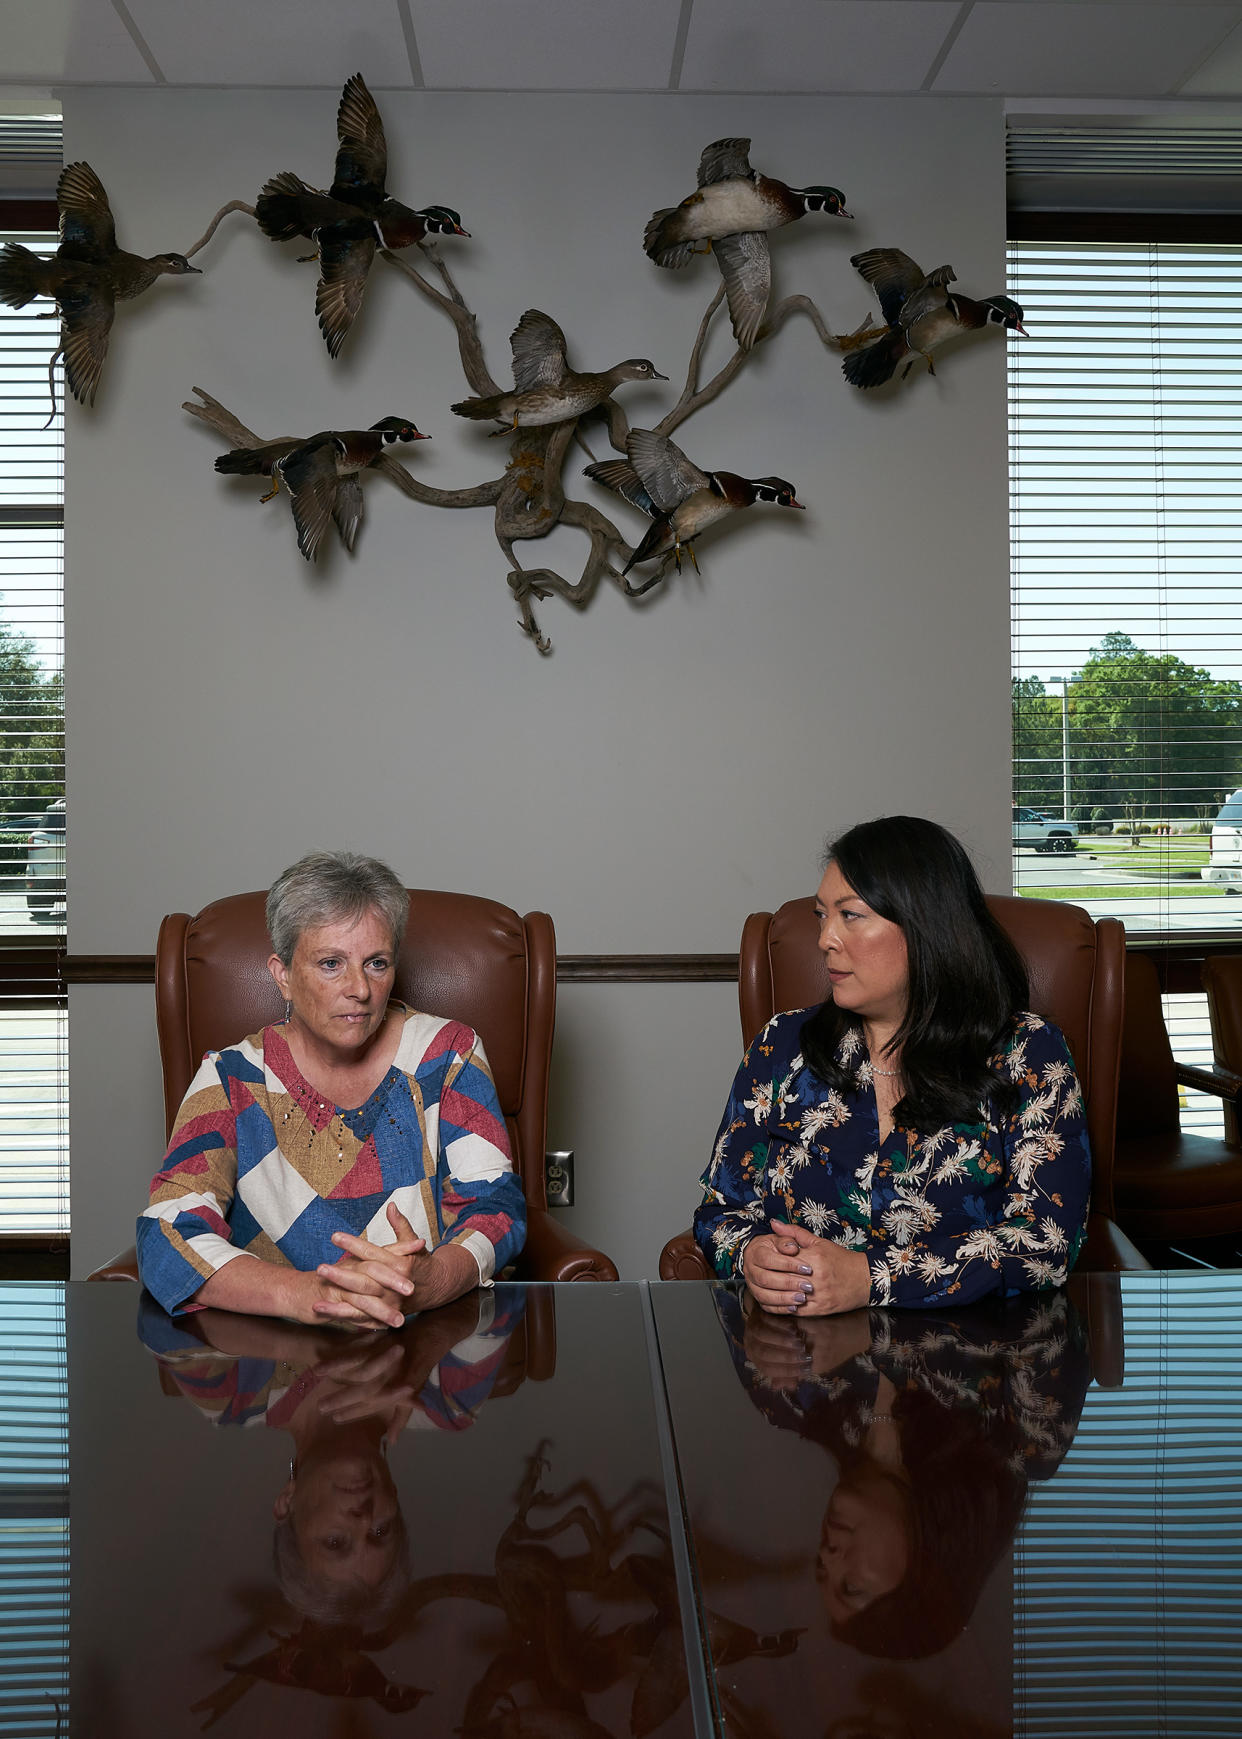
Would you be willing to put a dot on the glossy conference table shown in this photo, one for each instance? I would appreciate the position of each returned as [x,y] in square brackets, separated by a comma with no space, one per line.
[586,1511]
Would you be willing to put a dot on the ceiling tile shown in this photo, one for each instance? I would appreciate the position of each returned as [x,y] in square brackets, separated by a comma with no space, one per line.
[54,41]
[1063,48]
[546,44]
[275,42]
[1221,74]
[814,45]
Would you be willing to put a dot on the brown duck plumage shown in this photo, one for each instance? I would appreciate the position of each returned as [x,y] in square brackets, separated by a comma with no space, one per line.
[86,278]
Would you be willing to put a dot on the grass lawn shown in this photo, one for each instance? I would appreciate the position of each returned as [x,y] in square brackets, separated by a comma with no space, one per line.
[1123,891]
[1181,851]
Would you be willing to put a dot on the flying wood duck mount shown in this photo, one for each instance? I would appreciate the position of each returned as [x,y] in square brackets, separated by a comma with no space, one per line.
[86,278]
[353,218]
[320,475]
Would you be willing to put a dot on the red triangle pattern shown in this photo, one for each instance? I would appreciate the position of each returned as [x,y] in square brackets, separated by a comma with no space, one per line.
[364,1177]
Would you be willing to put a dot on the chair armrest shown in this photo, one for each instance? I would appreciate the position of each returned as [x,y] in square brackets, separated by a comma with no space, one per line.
[1107,1250]
[553,1252]
[681,1259]
[1220,1082]
[122,1267]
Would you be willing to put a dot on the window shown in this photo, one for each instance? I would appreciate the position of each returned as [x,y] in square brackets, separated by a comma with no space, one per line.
[1126,522]
[33,1038]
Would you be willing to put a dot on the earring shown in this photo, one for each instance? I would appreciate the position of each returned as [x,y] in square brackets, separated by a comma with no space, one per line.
[288,1012]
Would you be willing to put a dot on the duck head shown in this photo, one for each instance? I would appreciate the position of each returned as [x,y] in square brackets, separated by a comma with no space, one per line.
[829,199]
[175,265]
[442,220]
[776,489]
[638,368]
[1004,311]
[398,429]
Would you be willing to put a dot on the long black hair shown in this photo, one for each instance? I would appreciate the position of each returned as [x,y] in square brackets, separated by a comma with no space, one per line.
[966,978]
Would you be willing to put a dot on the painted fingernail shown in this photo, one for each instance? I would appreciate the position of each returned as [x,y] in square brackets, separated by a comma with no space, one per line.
[805,1268]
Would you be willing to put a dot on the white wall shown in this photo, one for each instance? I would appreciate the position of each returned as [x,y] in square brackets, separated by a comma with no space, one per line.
[673,764]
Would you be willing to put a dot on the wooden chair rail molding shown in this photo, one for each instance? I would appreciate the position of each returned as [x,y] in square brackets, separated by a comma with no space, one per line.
[30,972]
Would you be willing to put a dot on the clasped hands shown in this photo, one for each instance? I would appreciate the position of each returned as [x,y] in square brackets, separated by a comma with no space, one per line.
[373,1286]
[790,1270]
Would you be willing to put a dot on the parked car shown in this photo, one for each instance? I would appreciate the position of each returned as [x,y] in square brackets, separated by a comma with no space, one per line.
[1032,827]
[14,839]
[45,859]
[1225,850]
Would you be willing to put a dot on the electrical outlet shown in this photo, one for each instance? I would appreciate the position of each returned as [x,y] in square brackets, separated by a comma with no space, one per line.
[559,1170]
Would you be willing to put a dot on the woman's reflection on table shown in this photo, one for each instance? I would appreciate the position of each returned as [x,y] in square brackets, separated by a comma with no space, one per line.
[937,1425]
[339,1544]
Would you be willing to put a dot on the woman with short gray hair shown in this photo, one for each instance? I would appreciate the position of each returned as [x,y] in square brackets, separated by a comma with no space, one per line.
[355,1153]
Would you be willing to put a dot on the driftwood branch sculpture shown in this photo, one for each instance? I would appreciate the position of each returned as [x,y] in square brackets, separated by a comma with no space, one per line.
[528,500]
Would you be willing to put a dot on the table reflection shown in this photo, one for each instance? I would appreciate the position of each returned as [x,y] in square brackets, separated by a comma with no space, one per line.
[934,1425]
[859,1481]
[462,1525]
[340,1545]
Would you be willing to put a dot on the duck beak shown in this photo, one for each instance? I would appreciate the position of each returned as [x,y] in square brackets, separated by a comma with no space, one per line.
[799,504]
[658,375]
[460,231]
[844,213]
[1019,327]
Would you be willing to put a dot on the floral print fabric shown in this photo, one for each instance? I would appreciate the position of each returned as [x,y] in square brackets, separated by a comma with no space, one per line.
[998,1205]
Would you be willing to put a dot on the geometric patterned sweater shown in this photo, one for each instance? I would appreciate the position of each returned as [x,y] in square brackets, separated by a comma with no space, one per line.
[260,1165]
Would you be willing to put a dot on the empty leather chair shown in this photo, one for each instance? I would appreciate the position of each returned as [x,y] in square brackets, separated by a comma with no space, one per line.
[1169,1183]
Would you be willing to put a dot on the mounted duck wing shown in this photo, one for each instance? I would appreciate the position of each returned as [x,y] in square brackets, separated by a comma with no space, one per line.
[362,153]
[668,476]
[87,227]
[344,266]
[745,263]
[895,278]
[538,346]
[725,160]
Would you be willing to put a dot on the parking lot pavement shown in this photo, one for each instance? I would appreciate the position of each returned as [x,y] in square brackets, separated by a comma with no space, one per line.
[16,919]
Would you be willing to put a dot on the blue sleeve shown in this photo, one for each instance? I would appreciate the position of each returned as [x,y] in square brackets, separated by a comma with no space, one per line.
[733,1210]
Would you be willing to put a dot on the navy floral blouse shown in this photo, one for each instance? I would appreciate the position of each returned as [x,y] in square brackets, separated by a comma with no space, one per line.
[998,1205]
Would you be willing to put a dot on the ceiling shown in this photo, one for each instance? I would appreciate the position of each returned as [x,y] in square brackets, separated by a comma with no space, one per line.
[1054,49]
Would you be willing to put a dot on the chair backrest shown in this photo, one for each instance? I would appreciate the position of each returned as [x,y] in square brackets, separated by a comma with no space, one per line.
[1148,1103]
[462,957]
[1077,971]
[1221,975]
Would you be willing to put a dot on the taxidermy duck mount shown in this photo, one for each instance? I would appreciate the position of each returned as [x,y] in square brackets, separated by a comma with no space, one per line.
[86,277]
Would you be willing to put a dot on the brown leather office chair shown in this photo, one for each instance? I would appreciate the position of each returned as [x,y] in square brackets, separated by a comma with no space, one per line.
[1170,1184]
[1077,971]
[462,956]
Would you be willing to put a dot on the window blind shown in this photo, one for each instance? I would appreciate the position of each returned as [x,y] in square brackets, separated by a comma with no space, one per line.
[33,1020]
[1126,457]
[34,1513]
[1126,454]
[1128,1566]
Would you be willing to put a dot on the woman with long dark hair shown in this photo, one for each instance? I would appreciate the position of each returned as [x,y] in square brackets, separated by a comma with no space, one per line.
[918,1139]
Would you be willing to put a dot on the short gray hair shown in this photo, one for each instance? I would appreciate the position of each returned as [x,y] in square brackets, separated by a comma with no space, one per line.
[329,887]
